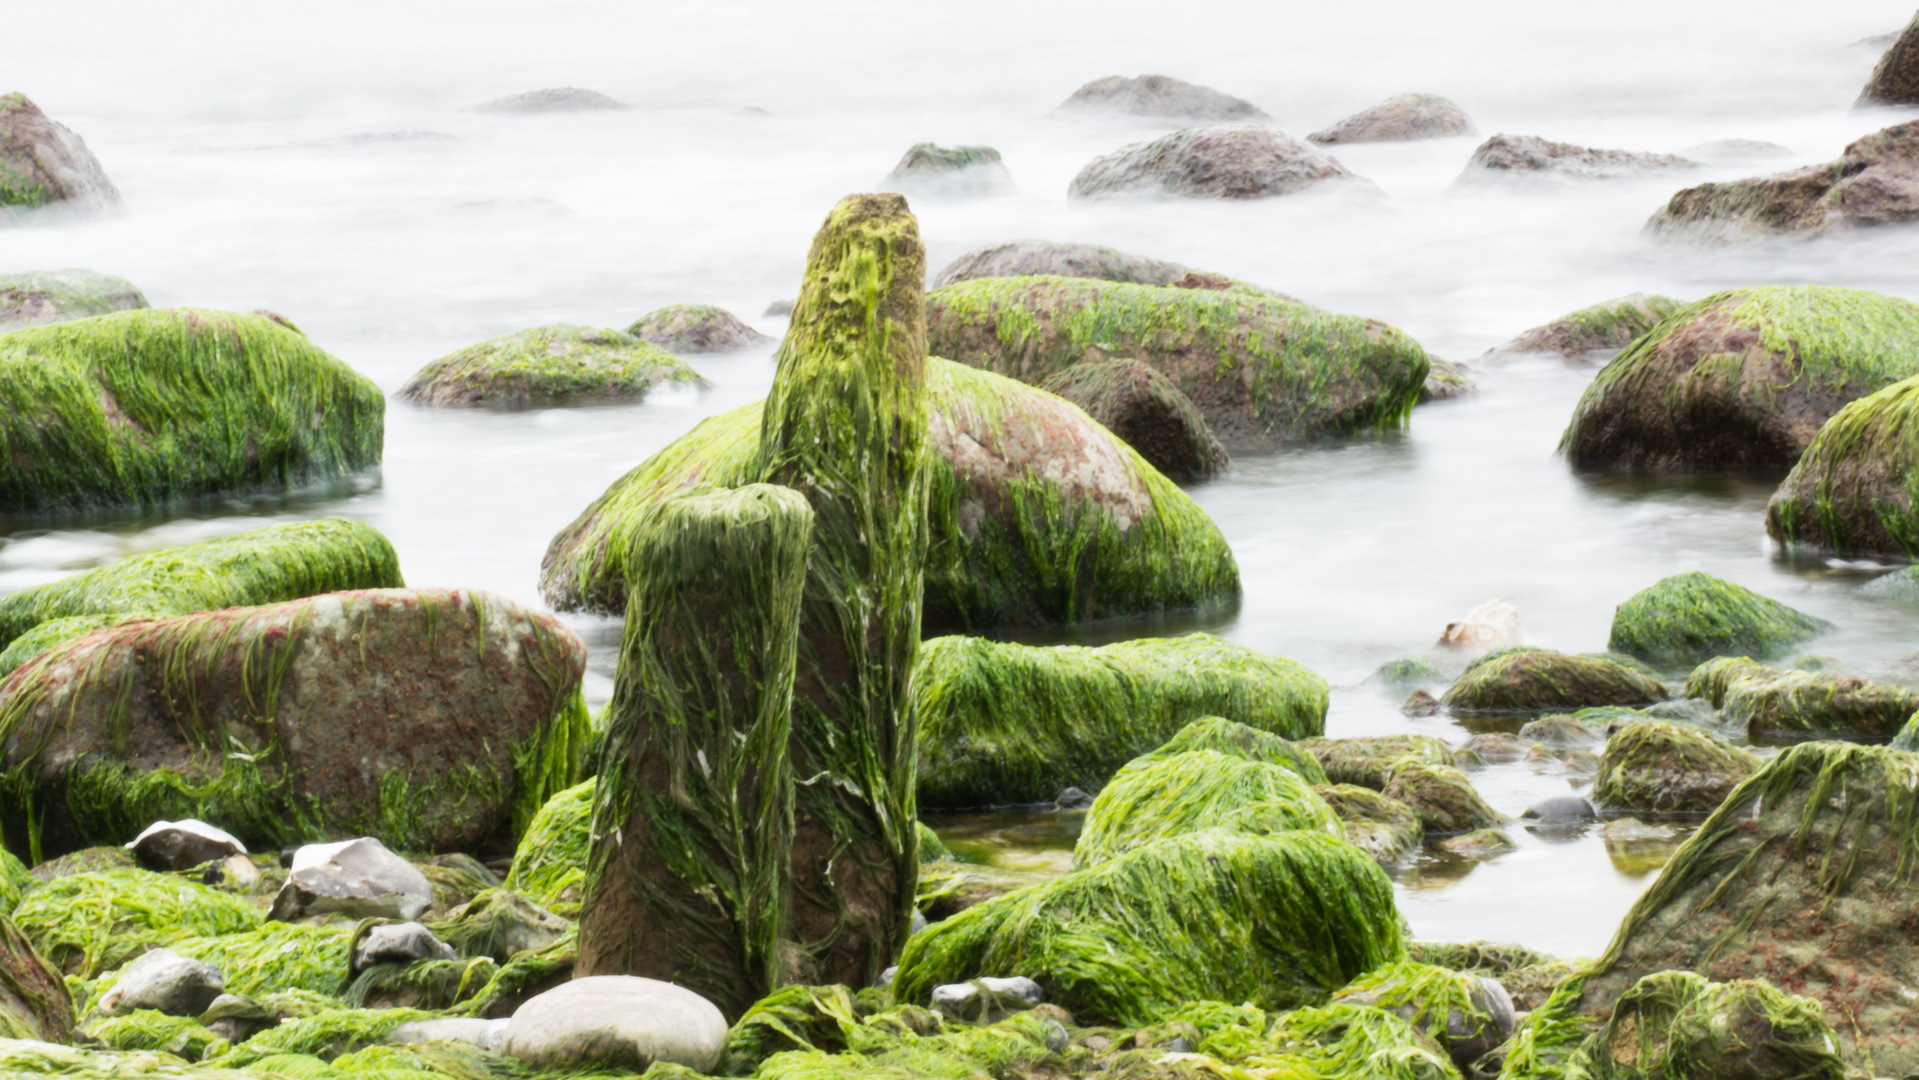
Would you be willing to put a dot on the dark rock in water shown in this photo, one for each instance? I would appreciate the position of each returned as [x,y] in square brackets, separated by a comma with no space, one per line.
[34,1000]
[1399,119]
[1419,703]
[1228,162]
[987,1000]
[1784,705]
[1073,798]
[1849,494]
[617,1021]
[1466,1014]
[549,366]
[1160,96]
[1137,403]
[48,296]
[953,172]
[697,328]
[1026,258]
[1386,829]
[45,165]
[1874,182]
[183,845]
[1608,326]
[1559,810]
[1741,381]
[397,943]
[1730,150]
[560,99]
[1540,680]
[1442,795]
[1895,78]
[1688,618]
[1517,157]
[360,878]
[166,982]
[1658,765]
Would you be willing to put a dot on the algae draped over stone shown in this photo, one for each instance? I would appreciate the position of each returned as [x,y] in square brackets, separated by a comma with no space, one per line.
[1691,617]
[549,366]
[1539,680]
[1663,766]
[549,866]
[1173,795]
[1239,740]
[1852,491]
[1787,705]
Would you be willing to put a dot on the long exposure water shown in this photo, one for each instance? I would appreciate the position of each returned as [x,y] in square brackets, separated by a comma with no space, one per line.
[236,137]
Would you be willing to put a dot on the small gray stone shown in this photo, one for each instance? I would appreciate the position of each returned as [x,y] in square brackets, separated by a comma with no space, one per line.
[1234,161]
[164,981]
[1408,116]
[237,1019]
[360,878]
[183,845]
[777,309]
[1073,799]
[398,943]
[620,1021]
[1056,1037]
[1559,810]
[1509,157]
[488,1035]
[987,1000]
[886,977]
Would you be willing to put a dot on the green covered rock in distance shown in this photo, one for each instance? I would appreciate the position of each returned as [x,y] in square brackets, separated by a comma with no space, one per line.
[140,408]
[271,723]
[686,879]
[1369,760]
[1134,401]
[1741,381]
[47,296]
[1006,723]
[1869,185]
[549,866]
[1038,515]
[1660,765]
[696,328]
[1384,828]
[1264,371]
[1539,680]
[1160,796]
[1852,492]
[1238,740]
[1786,705]
[1610,326]
[1275,921]
[1691,617]
[45,166]
[550,366]
[1444,799]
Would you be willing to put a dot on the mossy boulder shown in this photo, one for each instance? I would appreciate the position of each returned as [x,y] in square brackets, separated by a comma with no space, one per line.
[1160,96]
[928,170]
[140,408]
[549,366]
[1276,921]
[1239,740]
[1264,371]
[1038,515]
[269,723]
[47,296]
[1784,705]
[1538,680]
[1227,161]
[1519,158]
[1443,797]
[1025,258]
[1156,797]
[1692,617]
[1676,1024]
[44,164]
[1401,674]
[1608,326]
[1400,119]
[1852,492]
[1006,723]
[1895,78]
[1386,829]
[1465,1013]
[1872,183]
[696,328]
[549,866]
[1134,401]
[1659,765]
[1369,760]
[1741,381]
[34,999]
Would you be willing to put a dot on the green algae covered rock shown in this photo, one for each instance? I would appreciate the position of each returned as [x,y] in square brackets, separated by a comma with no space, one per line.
[1276,921]
[1787,705]
[696,328]
[1467,1014]
[86,924]
[273,958]
[1444,799]
[1155,797]
[45,166]
[1741,381]
[1238,740]
[1851,493]
[1262,370]
[15,880]
[35,1002]
[1384,828]
[1006,723]
[1134,401]
[1659,765]
[549,866]
[140,408]
[1538,680]
[1608,326]
[1369,760]
[549,366]
[1688,618]
[1025,258]
[265,722]
[1870,184]
[1674,1025]
[1038,515]
[48,296]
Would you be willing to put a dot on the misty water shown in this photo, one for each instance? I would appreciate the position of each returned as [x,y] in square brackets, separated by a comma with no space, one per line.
[239,139]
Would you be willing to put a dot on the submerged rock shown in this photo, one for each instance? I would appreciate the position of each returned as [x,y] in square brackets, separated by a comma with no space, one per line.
[1227,162]
[1004,723]
[1026,258]
[360,878]
[1583,728]
[44,164]
[1444,380]
[1851,493]
[1161,96]
[49,296]
[952,172]
[1135,402]
[557,99]
[1466,1014]
[1155,797]
[183,845]
[1529,157]
[549,366]
[1399,119]
[1895,78]
[1384,828]
[1874,182]
[616,1021]
[1740,381]
[1692,617]
[166,982]
[1658,765]
[140,408]
[1541,680]
[1730,150]
[697,328]
[1559,810]
[1263,371]
[1608,326]
[1775,704]
[1480,844]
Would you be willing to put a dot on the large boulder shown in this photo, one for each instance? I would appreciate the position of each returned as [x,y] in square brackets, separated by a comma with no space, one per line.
[1242,161]
[1025,490]
[49,296]
[43,164]
[553,99]
[145,407]
[1005,723]
[1851,492]
[1741,381]
[616,1022]
[1262,370]
[1786,705]
[1874,182]
[1895,78]
[1539,680]
[951,172]
[1692,617]
[1400,119]
[1608,327]
[273,723]
[1662,766]
[1156,797]
[1159,96]
[549,366]
[1025,258]
[1508,158]
[1134,401]
[696,328]
[1275,921]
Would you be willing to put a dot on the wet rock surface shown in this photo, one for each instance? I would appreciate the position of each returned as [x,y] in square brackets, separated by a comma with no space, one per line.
[1400,119]
[690,329]
[950,172]
[46,296]
[166,982]
[44,165]
[1026,258]
[1146,409]
[1605,327]
[1874,183]
[1159,96]
[1529,157]
[1229,162]
[182,845]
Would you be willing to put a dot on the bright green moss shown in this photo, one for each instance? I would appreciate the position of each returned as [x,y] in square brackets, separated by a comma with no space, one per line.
[1428,997]
[276,958]
[15,880]
[46,635]
[144,1029]
[144,407]
[1442,795]
[44,296]
[1369,760]
[792,1018]
[1852,491]
[326,1035]
[1691,617]
[1786,705]
[548,366]
[87,924]
[1658,765]
[1005,723]
[1238,740]
[526,974]
[1384,828]
[1538,680]
[1677,1024]
[1156,797]
[1544,1045]
[549,867]
[932,848]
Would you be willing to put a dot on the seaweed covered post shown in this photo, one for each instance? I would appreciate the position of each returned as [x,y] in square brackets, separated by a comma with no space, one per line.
[845,425]
[693,819]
